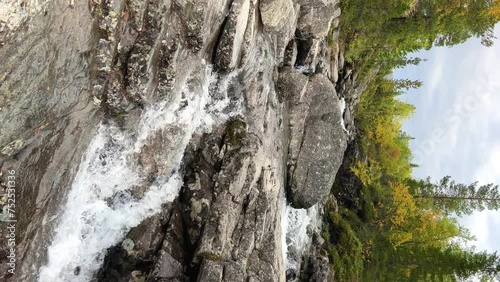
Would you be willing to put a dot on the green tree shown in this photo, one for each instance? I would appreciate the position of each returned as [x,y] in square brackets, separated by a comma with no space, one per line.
[454,263]
[407,84]
[451,197]
[451,262]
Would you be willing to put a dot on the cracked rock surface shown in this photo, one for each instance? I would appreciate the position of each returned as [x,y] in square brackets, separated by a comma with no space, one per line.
[67,66]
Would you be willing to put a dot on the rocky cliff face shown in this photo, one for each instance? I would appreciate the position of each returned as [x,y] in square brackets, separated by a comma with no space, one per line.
[155,140]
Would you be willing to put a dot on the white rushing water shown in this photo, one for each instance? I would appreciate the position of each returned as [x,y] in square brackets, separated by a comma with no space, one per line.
[298,226]
[100,209]
[342,106]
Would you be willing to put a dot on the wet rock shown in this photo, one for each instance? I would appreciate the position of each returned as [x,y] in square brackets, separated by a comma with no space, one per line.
[169,267]
[316,266]
[202,20]
[44,101]
[319,269]
[228,54]
[125,56]
[146,238]
[211,271]
[242,232]
[13,147]
[313,162]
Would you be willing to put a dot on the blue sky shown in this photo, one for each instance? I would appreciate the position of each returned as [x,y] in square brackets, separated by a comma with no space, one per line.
[457,122]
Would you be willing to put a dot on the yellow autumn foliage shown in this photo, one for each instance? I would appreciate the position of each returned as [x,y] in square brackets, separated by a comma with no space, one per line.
[495,10]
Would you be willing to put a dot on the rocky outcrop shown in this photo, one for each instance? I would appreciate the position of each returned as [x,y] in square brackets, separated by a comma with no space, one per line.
[347,185]
[316,16]
[47,116]
[317,267]
[69,66]
[279,19]
[313,25]
[316,137]
[229,49]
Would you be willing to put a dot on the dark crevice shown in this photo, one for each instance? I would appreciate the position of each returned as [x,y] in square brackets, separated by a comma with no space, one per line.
[304,46]
[221,31]
[197,164]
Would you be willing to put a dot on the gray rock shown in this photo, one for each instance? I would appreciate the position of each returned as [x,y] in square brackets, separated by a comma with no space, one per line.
[169,267]
[230,45]
[13,147]
[290,54]
[279,18]
[252,30]
[225,224]
[314,162]
[202,20]
[336,22]
[309,51]
[211,271]
[291,85]
[277,14]
[315,17]
[317,266]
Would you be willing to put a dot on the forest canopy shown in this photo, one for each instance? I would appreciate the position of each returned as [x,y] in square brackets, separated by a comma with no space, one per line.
[396,227]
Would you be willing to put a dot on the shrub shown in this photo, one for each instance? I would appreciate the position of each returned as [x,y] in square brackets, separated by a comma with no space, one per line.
[345,249]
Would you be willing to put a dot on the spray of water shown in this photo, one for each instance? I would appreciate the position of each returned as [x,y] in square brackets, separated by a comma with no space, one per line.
[299,224]
[100,209]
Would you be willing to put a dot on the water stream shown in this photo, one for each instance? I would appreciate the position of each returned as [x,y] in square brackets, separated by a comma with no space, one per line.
[299,226]
[100,208]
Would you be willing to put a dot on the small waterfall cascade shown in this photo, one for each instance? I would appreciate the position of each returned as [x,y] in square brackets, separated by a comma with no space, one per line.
[100,207]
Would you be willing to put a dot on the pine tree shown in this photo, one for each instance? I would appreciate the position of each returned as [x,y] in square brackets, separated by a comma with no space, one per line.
[407,84]
[451,197]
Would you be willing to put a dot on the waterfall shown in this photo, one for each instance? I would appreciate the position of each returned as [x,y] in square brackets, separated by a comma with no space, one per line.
[100,209]
[342,105]
[298,227]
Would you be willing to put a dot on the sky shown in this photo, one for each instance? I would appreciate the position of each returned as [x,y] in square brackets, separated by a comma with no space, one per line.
[457,122]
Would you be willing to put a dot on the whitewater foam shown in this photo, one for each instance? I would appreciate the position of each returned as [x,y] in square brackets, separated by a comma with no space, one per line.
[100,209]
[298,226]
[342,106]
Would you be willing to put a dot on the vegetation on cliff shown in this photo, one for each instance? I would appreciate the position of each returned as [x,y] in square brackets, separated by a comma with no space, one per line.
[395,227]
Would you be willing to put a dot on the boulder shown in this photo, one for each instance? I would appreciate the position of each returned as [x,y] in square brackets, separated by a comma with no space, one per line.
[316,16]
[277,14]
[317,143]
[279,18]
[291,85]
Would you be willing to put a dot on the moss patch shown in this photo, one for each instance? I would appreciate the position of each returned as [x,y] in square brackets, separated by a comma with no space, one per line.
[211,256]
[236,132]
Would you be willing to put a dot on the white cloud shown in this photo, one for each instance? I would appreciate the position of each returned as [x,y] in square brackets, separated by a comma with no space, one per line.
[461,96]
[489,172]
[484,226]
